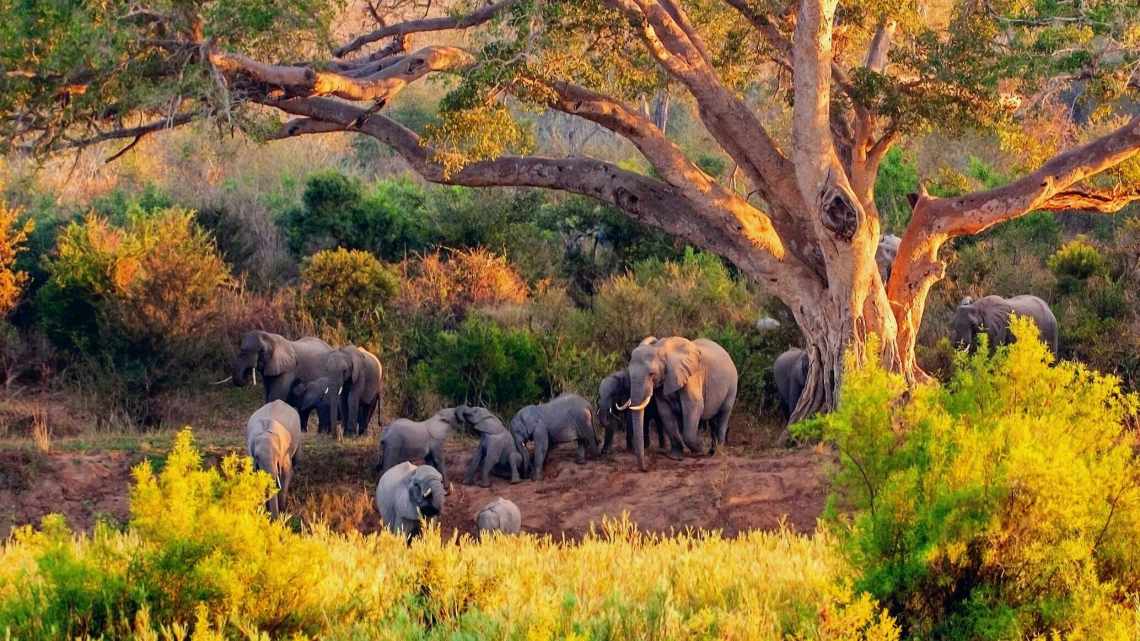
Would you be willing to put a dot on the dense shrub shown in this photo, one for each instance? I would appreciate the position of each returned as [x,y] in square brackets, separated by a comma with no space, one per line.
[13,234]
[139,302]
[347,289]
[896,181]
[1005,505]
[1075,262]
[484,363]
[446,286]
[201,556]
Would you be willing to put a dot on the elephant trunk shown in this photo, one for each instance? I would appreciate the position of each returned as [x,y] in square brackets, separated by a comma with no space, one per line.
[637,409]
[243,366]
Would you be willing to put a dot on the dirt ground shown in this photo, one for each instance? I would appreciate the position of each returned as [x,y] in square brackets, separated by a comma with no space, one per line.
[734,491]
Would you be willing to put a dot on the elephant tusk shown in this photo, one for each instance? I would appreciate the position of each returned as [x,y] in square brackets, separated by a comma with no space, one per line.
[638,408]
[427,492]
[255,376]
[325,392]
[224,380]
[339,390]
[624,406]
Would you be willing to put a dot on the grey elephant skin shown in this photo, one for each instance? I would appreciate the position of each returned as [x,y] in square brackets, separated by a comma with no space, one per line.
[281,364]
[497,451]
[405,494]
[407,440]
[692,380]
[273,440]
[362,393]
[567,418]
[613,398]
[885,254]
[499,515]
[790,373]
[992,314]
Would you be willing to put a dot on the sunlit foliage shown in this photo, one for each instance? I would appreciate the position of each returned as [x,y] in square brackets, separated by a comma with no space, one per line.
[1005,505]
[13,233]
[201,555]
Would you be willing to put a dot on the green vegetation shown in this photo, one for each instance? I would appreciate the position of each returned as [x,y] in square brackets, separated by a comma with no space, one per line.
[1003,505]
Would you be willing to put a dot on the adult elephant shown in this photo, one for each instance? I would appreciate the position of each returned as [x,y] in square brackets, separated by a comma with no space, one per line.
[696,380]
[281,363]
[790,374]
[991,315]
[362,389]
[885,254]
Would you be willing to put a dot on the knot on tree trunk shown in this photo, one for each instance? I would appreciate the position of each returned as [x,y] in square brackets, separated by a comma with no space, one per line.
[840,216]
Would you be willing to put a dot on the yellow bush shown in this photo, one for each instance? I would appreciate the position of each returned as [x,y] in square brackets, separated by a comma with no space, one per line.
[348,288]
[201,555]
[12,237]
[448,286]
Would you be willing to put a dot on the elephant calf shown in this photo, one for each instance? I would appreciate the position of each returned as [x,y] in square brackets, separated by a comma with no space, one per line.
[498,451]
[273,440]
[407,493]
[565,419]
[407,440]
[790,373]
[499,515]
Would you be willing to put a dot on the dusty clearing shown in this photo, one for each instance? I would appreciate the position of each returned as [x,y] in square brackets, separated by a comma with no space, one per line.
[731,492]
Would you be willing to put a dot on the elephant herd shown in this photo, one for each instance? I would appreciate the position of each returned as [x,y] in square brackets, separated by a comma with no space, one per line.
[674,384]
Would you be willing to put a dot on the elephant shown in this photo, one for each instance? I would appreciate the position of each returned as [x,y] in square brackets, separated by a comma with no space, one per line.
[697,381]
[273,440]
[564,419]
[362,392]
[407,440]
[499,452]
[885,254]
[405,494]
[499,515]
[991,314]
[790,372]
[613,391]
[281,363]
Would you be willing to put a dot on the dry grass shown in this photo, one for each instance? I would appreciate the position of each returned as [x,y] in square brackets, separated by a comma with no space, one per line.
[41,432]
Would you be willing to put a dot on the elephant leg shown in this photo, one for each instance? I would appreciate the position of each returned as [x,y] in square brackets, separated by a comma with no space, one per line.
[366,416]
[719,426]
[628,416]
[391,456]
[304,414]
[473,464]
[608,439]
[541,445]
[669,421]
[514,460]
[485,473]
[435,459]
[580,455]
[351,412]
[691,410]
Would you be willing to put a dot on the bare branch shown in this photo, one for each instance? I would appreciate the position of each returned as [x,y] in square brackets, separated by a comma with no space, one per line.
[427,24]
[131,132]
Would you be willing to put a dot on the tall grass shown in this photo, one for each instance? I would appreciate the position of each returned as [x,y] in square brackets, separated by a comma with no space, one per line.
[201,555]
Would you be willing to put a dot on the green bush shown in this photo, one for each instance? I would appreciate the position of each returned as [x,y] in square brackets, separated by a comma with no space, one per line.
[896,181]
[1075,262]
[139,303]
[1005,505]
[348,289]
[484,363]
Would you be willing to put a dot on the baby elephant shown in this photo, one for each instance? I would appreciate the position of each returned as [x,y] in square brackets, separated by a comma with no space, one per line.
[407,440]
[405,494]
[499,515]
[498,451]
[273,440]
[565,419]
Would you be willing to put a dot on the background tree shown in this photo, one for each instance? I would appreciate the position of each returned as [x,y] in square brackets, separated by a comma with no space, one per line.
[801,220]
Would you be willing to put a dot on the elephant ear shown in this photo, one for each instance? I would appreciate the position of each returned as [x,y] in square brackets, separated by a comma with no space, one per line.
[279,357]
[356,364]
[682,359]
[995,316]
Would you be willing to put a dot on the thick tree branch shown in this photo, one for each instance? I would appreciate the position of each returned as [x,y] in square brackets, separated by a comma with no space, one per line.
[169,122]
[881,45]
[1105,202]
[380,86]
[813,149]
[427,24]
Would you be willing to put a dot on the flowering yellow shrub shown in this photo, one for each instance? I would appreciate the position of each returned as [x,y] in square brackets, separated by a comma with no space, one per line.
[200,556]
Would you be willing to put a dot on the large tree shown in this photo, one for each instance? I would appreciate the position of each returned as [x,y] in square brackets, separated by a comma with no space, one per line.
[804,96]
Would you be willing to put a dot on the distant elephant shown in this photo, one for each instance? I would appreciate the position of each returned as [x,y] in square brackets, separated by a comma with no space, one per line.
[362,389]
[499,515]
[697,381]
[790,372]
[566,418]
[405,494]
[613,404]
[991,314]
[497,452]
[273,440]
[885,254]
[281,363]
[407,440]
